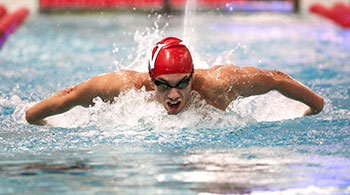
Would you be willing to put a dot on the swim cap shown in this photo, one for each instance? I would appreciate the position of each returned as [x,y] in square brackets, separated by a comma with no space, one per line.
[170,56]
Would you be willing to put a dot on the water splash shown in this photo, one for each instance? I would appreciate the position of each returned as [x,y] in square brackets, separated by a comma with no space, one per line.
[135,111]
[269,107]
[189,36]
[189,20]
[145,40]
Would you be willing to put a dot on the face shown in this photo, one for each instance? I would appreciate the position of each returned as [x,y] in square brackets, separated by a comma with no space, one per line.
[173,91]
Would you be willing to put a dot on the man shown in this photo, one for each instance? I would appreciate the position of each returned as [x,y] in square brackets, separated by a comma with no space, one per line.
[172,76]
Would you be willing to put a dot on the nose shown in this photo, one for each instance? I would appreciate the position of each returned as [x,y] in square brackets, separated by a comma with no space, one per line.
[173,94]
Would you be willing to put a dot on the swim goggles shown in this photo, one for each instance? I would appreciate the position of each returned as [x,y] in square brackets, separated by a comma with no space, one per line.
[164,86]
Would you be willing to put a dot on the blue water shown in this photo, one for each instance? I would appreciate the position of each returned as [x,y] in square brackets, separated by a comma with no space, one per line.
[259,145]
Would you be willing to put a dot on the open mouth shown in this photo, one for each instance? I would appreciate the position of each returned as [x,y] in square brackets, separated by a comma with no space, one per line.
[174,105]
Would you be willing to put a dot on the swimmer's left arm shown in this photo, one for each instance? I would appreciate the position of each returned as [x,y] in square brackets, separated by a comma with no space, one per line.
[293,89]
[254,81]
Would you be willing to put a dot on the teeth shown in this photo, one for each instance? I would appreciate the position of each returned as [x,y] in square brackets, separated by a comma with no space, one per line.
[173,103]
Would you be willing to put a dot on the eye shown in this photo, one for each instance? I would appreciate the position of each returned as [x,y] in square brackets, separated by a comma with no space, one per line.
[163,87]
[183,85]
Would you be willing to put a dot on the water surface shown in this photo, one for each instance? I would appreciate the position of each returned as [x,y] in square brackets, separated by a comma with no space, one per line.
[259,145]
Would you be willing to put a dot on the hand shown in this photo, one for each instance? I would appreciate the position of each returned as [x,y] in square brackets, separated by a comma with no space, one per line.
[43,122]
[310,111]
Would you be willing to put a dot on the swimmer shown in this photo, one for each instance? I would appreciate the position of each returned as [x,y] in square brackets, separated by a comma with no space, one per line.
[172,76]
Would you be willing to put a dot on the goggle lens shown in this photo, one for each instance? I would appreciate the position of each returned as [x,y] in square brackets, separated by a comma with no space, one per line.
[164,86]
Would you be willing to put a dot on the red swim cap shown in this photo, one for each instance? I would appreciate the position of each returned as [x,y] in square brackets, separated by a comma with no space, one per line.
[170,56]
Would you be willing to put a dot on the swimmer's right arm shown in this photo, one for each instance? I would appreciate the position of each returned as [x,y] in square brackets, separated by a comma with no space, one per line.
[105,86]
[58,103]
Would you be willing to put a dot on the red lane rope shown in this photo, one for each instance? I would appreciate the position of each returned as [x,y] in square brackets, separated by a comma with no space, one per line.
[9,22]
[339,13]
[2,11]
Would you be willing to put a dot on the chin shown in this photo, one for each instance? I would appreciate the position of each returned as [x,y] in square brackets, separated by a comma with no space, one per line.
[174,111]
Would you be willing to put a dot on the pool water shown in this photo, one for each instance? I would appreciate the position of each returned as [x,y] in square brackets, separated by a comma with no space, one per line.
[259,145]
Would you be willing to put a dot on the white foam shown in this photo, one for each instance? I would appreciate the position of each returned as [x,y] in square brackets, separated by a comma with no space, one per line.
[135,110]
[268,107]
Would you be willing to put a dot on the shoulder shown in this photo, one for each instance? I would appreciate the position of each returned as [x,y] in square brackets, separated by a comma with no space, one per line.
[215,76]
[109,85]
[217,69]
[218,72]
[122,79]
